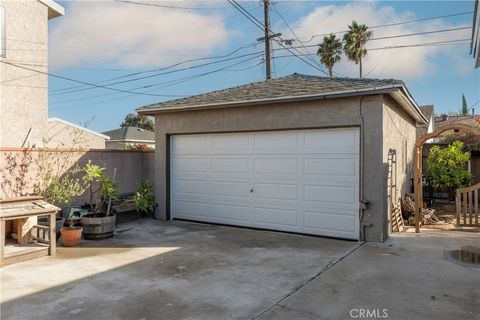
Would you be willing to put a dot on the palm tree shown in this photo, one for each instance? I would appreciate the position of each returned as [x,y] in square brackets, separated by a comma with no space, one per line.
[330,51]
[355,40]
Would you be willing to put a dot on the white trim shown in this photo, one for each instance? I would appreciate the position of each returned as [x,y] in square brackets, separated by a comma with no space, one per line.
[54,9]
[78,127]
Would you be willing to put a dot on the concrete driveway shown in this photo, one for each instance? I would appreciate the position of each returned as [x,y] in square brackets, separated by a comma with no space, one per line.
[409,277]
[177,270]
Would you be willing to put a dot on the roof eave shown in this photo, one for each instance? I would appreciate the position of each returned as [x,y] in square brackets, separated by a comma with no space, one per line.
[54,9]
[152,110]
[406,101]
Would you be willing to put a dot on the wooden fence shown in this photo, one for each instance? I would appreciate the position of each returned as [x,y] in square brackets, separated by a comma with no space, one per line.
[467,205]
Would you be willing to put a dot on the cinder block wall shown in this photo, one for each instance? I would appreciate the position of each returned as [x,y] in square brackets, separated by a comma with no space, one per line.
[19,168]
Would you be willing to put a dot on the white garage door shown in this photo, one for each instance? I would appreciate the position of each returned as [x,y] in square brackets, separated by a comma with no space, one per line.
[301,181]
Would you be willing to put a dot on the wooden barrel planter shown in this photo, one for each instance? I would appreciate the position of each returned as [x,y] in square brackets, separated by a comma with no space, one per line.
[98,228]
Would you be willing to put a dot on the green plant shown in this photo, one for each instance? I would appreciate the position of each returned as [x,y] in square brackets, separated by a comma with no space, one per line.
[330,52]
[99,186]
[139,121]
[355,40]
[144,198]
[447,167]
[60,191]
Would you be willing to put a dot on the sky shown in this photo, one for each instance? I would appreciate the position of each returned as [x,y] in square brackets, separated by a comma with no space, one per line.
[138,54]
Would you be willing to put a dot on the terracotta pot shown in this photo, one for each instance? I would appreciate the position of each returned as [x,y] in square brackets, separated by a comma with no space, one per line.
[71,236]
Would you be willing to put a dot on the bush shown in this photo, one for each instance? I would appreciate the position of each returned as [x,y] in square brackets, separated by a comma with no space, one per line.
[447,167]
[144,198]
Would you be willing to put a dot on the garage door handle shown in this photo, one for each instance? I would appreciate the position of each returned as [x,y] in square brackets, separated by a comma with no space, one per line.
[251,190]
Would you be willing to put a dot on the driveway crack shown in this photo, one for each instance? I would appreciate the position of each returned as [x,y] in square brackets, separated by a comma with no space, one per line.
[306,282]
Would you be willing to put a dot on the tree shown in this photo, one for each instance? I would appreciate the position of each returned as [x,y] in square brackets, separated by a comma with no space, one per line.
[330,52]
[447,167]
[139,121]
[464,106]
[355,40]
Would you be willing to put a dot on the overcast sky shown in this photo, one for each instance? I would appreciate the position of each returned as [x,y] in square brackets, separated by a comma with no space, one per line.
[97,41]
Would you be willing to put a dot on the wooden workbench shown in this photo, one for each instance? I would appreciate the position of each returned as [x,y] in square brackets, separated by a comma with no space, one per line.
[33,240]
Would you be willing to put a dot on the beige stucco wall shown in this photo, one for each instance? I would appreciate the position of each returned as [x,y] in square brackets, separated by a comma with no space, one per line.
[399,136]
[302,115]
[61,135]
[23,93]
[19,168]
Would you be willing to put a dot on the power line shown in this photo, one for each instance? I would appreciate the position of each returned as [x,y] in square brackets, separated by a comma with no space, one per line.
[168,83]
[165,68]
[82,82]
[393,24]
[169,6]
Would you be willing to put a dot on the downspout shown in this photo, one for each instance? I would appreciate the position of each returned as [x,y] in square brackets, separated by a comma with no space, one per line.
[363,202]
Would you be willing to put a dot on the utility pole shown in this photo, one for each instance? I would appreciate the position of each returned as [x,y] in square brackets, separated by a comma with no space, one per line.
[267,37]
[266,13]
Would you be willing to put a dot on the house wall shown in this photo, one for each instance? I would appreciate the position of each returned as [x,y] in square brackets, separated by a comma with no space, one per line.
[399,135]
[23,93]
[299,115]
[62,135]
[19,167]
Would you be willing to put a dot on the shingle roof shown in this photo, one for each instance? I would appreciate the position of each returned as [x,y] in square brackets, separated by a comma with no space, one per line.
[131,133]
[288,87]
[422,129]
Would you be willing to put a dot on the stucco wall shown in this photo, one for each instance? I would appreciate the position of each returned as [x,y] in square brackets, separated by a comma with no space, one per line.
[312,114]
[23,93]
[399,134]
[19,168]
[61,135]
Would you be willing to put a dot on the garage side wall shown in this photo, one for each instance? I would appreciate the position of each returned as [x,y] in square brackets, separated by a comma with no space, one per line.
[340,112]
[399,140]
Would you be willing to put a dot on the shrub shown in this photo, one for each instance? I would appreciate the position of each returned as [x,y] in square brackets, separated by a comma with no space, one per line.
[447,167]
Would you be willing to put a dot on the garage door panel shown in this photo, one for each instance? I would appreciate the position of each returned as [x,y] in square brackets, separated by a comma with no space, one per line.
[336,167]
[275,191]
[191,209]
[230,165]
[192,165]
[229,188]
[228,212]
[276,166]
[331,194]
[331,141]
[275,216]
[331,221]
[192,144]
[276,142]
[192,186]
[300,181]
[230,144]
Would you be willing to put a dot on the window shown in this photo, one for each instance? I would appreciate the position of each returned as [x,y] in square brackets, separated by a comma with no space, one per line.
[2,32]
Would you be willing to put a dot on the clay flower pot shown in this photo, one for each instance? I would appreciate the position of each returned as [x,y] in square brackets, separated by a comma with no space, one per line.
[71,236]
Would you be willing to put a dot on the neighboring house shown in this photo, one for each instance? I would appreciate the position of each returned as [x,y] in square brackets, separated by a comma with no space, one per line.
[429,127]
[127,136]
[443,120]
[475,44]
[298,153]
[65,134]
[24,93]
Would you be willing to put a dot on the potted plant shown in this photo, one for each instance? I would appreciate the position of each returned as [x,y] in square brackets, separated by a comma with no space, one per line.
[144,199]
[71,235]
[59,191]
[99,223]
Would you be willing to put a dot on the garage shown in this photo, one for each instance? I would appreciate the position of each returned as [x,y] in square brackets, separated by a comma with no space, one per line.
[300,153]
[304,181]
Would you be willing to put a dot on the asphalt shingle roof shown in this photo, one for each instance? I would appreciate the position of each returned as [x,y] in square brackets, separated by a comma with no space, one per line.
[131,133]
[422,129]
[295,85]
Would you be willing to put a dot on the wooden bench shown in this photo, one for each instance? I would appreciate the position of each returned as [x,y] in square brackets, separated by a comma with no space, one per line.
[124,203]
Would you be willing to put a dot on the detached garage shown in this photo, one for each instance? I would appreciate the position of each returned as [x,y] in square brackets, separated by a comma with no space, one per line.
[300,153]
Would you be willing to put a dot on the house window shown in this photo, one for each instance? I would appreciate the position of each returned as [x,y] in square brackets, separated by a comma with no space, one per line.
[2,32]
